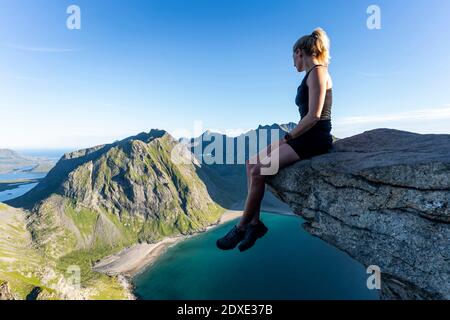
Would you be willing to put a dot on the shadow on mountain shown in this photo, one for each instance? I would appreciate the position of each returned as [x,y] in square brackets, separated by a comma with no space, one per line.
[227,182]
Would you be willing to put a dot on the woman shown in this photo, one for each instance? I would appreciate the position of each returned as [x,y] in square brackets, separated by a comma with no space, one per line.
[311,137]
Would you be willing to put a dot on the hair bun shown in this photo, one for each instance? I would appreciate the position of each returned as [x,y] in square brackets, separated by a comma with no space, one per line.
[317,44]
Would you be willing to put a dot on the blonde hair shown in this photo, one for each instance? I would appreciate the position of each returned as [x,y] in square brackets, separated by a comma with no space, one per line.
[316,45]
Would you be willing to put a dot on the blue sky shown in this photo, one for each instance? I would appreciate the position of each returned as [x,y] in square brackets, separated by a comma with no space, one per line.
[137,65]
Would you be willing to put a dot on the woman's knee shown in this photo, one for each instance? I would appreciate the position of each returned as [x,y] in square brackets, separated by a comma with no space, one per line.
[249,165]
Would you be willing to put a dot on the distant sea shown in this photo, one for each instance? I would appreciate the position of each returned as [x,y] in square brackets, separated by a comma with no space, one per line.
[288,263]
[22,173]
[52,154]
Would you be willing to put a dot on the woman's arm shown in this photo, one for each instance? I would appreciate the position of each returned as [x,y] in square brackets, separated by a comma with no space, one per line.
[317,84]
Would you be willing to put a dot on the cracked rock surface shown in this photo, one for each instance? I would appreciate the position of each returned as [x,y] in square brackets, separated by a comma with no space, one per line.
[383,197]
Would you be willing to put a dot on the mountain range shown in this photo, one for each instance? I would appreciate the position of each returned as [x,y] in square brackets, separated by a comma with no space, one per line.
[100,200]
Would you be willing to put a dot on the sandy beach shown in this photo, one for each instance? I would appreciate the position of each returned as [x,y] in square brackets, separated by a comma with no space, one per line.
[132,260]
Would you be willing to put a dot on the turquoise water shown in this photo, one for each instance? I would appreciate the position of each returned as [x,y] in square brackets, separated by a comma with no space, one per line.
[287,263]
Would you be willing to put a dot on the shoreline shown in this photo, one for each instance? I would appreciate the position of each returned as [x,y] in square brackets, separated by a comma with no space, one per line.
[129,262]
[10,185]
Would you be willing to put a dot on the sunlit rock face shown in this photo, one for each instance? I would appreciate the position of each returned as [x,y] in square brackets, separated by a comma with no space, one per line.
[383,197]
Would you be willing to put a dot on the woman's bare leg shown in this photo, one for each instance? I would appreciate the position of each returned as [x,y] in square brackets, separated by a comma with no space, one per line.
[286,156]
[256,217]
[250,164]
[257,212]
[255,160]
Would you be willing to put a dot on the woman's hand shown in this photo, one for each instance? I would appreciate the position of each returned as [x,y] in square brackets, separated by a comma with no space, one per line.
[268,150]
[288,136]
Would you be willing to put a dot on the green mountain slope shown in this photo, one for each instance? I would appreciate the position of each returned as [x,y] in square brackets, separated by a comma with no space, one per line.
[97,201]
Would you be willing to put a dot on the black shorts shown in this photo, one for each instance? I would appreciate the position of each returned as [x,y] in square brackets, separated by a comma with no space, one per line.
[314,142]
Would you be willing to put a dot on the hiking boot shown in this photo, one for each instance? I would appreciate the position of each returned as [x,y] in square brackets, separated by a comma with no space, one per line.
[231,239]
[253,233]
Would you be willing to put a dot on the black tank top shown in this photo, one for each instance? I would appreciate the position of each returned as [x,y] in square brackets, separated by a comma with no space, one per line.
[302,99]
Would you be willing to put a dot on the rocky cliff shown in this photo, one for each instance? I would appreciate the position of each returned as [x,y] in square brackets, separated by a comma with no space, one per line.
[383,197]
[5,292]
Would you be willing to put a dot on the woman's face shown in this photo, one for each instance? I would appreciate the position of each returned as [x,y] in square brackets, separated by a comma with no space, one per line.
[298,60]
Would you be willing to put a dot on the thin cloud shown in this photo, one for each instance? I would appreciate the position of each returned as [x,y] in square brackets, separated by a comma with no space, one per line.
[423,114]
[41,49]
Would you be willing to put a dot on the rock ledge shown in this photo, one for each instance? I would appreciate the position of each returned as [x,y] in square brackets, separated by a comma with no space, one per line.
[383,197]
